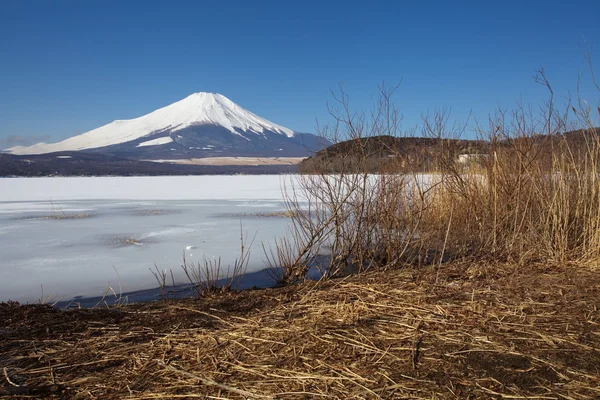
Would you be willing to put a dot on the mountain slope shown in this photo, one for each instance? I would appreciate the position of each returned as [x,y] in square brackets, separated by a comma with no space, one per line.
[201,125]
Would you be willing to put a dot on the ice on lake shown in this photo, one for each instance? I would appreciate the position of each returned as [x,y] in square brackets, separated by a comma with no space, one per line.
[77,236]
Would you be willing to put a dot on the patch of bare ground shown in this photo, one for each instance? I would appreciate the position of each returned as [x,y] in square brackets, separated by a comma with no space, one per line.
[467,330]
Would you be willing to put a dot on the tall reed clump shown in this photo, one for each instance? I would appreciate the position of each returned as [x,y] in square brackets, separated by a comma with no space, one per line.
[211,277]
[533,194]
[528,189]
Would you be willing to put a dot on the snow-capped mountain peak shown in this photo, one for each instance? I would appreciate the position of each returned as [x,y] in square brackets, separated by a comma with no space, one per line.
[214,108]
[198,109]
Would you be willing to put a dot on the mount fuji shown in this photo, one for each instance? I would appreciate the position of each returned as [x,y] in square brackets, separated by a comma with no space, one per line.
[200,126]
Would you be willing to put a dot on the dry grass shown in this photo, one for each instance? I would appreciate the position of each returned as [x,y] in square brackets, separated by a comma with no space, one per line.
[146,213]
[479,332]
[60,216]
[57,213]
[123,241]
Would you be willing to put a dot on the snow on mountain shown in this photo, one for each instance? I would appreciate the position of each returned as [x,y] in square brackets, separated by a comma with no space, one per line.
[156,142]
[196,110]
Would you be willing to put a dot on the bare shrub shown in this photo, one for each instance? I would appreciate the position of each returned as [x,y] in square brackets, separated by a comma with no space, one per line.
[361,220]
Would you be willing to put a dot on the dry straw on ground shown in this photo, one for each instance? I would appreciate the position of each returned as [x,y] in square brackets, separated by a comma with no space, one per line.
[480,332]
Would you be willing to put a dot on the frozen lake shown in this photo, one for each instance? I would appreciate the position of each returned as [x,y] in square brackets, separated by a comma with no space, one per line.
[125,225]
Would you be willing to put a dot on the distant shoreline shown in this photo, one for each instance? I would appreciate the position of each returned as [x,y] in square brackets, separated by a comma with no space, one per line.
[234,161]
[89,164]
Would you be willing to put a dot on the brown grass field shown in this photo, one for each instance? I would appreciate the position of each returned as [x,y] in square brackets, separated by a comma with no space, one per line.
[482,331]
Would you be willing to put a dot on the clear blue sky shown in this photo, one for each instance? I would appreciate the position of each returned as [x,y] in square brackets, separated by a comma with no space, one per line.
[70,66]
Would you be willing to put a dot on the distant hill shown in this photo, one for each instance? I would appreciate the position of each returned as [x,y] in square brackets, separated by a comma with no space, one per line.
[380,153]
[388,153]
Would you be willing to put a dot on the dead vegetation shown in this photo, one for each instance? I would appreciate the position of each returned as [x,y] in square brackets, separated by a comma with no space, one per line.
[59,216]
[151,212]
[466,330]
[124,241]
[211,277]
[57,213]
[63,216]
